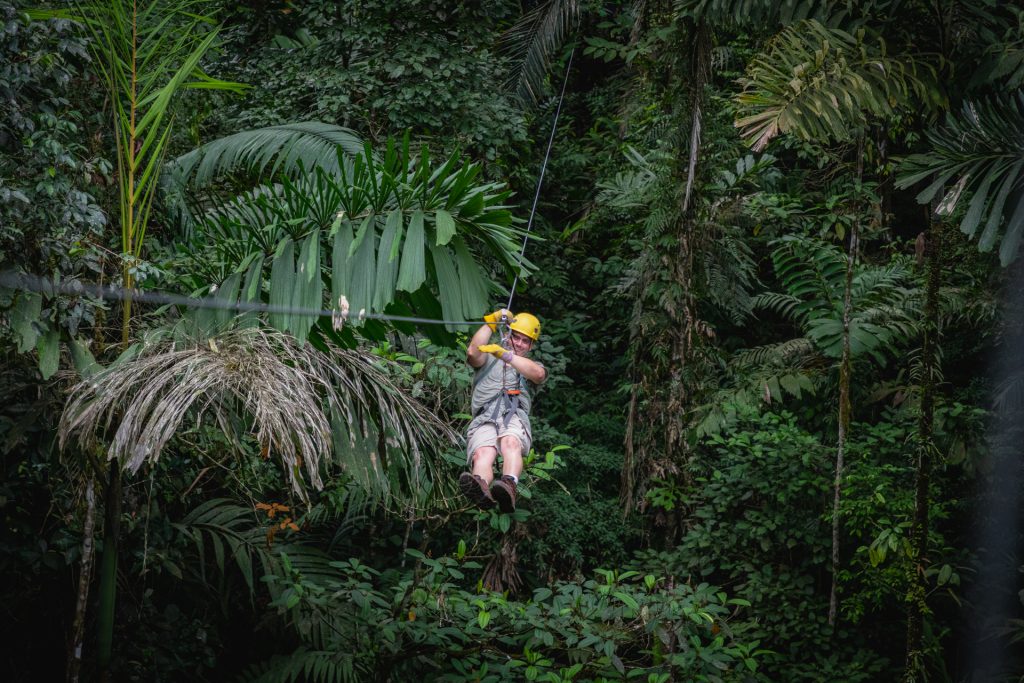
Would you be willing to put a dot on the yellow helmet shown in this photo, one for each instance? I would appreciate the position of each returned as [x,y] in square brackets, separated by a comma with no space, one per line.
[527,324]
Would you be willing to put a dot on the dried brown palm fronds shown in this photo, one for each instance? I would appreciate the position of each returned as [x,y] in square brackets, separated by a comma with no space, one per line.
[302,401]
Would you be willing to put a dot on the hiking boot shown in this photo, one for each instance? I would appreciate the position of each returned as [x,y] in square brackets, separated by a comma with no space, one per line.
[474,487]
[503,491]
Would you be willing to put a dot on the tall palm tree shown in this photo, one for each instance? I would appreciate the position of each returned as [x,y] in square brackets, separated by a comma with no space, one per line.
[146,52]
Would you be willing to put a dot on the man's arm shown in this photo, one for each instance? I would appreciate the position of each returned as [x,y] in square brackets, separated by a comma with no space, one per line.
[474,356]
[530,369]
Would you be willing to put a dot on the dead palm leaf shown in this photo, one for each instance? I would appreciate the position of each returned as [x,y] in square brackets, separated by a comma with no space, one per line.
[304,404]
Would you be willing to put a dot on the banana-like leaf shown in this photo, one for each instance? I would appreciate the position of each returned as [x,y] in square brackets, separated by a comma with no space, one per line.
[387,263]
[413,270]
[283,283]
[340,265]
[308,291]
[448,285]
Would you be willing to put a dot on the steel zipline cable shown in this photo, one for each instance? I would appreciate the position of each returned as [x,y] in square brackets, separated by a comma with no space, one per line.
[33,283]
[540,180]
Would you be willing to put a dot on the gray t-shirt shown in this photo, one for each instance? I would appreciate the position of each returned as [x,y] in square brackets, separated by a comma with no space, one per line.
[493,377]
[489,380]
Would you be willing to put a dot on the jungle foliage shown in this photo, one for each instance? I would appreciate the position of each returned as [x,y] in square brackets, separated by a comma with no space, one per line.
[776,258]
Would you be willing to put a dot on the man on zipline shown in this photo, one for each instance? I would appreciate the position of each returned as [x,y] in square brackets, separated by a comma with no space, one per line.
[502,392]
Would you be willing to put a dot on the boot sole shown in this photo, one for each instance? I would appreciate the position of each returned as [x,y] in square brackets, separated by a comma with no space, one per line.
[503,497]
[471,489]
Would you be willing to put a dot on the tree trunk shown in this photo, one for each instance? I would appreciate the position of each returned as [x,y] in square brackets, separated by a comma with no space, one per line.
[845,369]
[108,571]
[84,579]
[916,597]
[844,422]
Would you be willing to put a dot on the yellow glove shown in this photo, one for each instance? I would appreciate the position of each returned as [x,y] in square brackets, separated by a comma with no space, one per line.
[493,319]
[495,350]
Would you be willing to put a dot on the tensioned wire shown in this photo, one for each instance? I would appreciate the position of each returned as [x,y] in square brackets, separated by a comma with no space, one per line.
[540,180]
[34,283]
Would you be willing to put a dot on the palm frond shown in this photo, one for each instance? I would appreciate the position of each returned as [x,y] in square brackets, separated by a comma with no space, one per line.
[145,53]
[386,228]
[290,148]
[304,404]
[533,41]
[792,354]
[823,84]
[980,153]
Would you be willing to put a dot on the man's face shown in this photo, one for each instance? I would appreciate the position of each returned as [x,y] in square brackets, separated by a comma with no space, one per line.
[521,344]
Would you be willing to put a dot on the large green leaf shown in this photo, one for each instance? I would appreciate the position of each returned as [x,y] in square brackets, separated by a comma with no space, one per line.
[25,320]
[340,262]
[978,154]
[282,283]
[444,224]
[448,285]
[387,264]
[308,291]
[48,346]
[475,290]
[413,271]
[251,291]
[227,295]
[290,148]
[364,275]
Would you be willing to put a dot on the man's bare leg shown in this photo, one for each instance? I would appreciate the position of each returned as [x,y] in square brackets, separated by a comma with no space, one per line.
[511,456]
[483,462]
[504,490]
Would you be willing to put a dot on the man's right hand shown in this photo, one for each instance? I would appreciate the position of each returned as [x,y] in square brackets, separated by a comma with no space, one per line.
[492,319]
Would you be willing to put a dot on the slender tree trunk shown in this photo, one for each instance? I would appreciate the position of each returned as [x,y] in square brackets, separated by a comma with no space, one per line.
[700,73]
[845,370]
[844,424]
[916,597]
[108,571]
[84,580]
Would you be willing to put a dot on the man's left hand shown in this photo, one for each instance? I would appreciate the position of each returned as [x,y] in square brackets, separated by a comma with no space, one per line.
[496,350]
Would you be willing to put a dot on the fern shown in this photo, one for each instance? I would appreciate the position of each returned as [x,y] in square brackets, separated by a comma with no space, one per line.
[308,666]
[822,84]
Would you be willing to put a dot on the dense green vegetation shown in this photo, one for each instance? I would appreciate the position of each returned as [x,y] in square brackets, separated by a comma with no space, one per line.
[776,260]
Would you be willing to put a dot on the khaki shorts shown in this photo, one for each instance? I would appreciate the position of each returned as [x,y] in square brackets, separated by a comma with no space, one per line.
[482,432]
